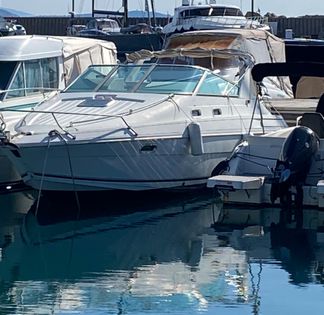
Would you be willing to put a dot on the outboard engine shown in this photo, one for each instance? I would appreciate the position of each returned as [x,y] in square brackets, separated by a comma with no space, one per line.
[293,166]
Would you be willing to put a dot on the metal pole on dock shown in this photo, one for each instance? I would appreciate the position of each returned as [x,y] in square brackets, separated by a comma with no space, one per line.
[153,12]
[147,9]
[72,6]
[93,7]
[252,8]
[125,5]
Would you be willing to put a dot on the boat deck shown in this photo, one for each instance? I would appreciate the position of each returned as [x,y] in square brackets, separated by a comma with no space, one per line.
[290,109]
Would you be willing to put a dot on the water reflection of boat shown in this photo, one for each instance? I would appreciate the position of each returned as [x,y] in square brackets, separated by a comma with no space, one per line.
[183,255]
[271,236]
[138,257]
[16,202]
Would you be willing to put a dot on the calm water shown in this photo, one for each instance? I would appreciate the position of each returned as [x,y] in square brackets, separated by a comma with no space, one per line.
[164,254]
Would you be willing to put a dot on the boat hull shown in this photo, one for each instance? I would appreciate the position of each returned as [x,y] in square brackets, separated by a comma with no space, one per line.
[128,165]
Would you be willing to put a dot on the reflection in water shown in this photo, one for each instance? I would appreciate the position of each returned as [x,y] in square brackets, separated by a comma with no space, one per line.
[294,240]
[142,258]
[161,253]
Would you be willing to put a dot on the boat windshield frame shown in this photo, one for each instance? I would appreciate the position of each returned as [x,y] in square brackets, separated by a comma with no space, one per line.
[7,76]
[153,78]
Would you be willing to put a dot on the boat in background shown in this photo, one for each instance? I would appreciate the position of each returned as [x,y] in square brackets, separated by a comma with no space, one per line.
[263,46]
[127,38]
[142,126]
[210,16]
[11,28]
[33,68]
[284,167]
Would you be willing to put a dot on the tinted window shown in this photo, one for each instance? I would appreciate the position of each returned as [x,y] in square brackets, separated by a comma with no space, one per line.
[17,87]
[35,76]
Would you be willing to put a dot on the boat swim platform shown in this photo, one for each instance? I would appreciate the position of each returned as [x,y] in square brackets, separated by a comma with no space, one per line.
[236,182]
[254,190]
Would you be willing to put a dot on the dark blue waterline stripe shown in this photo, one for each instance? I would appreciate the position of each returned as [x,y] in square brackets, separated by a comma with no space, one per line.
[122,180]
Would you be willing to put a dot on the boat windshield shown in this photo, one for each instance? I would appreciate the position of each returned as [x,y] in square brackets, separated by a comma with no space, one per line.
[7,69]
[210,11]
[153,78]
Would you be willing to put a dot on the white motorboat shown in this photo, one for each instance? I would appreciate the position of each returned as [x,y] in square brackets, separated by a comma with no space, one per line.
[141,126]
[190,16]
[284,167]
[34,68]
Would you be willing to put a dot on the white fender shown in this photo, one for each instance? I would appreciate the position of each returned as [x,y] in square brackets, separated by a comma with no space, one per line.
[195,137]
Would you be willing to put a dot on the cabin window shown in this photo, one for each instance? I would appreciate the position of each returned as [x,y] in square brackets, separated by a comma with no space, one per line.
[92,24]
[34,77]
[7,70]
[50,73]
[17,87]
[220,11]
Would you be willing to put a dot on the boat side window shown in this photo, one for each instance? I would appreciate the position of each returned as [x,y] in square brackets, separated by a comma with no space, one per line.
[195,12]
[92,24]
[215,85]
[35,76]
[7,70]
[17,87]
[50,73]
[226,12]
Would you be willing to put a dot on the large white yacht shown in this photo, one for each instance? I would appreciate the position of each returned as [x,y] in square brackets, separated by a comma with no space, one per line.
[207,16]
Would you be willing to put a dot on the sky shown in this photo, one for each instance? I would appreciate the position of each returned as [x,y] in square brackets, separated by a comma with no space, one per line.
[62,7]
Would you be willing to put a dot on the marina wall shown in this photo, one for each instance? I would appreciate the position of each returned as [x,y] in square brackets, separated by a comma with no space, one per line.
[306,26]
[58,25]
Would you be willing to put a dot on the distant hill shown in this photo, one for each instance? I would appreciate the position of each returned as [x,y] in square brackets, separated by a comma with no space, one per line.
[11,12]
[132,14]
[6,12]
[140,14]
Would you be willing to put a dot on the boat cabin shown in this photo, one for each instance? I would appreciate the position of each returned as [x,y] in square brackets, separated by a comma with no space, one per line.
[104,24]
[208,16]
[34,67]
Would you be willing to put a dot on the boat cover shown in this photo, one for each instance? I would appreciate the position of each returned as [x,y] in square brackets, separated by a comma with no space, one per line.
[77,52]
[262,45]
